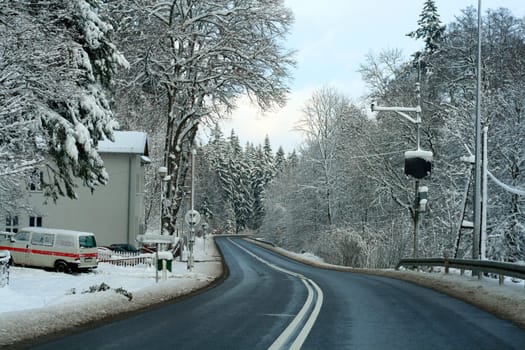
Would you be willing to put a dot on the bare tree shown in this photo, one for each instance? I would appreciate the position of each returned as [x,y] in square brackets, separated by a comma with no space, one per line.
[199,57]
[322,117]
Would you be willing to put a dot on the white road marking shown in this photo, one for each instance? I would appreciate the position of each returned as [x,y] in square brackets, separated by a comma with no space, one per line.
[311,320]
[279,315]
[285,336]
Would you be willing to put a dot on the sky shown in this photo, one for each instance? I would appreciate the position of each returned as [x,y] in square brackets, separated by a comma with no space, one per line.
[332,39]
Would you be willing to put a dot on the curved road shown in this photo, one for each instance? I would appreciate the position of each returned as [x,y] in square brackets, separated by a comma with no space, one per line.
[271,302]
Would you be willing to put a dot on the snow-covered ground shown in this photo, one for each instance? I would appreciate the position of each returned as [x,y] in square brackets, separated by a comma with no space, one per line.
[47,302]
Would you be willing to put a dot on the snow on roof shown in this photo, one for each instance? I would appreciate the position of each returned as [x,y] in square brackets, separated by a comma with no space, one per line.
[125,142]
[54,230]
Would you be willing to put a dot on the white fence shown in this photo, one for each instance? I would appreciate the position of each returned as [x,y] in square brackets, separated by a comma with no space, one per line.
[125,258]
[5,256]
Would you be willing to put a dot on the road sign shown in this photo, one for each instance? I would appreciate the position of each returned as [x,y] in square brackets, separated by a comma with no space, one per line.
[192,217]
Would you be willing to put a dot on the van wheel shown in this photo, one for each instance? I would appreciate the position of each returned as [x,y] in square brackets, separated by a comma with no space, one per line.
[62,266]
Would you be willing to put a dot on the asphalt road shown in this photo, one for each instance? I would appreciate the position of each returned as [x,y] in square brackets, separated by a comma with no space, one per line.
[271,302]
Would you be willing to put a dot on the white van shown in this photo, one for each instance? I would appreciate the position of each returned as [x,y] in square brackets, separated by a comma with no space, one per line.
[63,250]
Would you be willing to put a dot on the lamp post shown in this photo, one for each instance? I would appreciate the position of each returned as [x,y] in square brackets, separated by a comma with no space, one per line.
[418,163]
[163,175]
[192,217]
[204,230]
[163,172]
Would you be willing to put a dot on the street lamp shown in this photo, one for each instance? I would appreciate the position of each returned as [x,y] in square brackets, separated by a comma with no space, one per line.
[418,163]
[163,175]
[192,217]
[163,172]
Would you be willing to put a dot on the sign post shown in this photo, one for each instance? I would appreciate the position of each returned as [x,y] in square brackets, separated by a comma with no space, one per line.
[192,218]
[158,240]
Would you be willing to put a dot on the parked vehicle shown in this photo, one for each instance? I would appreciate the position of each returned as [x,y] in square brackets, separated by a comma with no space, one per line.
[124,248]
[62,250]
[5,236]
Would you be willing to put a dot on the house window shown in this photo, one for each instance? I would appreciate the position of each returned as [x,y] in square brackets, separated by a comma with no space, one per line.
[35,221]
[11,223]
[37,179]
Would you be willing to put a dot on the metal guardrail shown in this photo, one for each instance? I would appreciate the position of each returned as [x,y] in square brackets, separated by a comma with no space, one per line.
[499,268]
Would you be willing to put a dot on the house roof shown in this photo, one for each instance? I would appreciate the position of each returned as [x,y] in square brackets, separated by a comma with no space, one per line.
[135,142]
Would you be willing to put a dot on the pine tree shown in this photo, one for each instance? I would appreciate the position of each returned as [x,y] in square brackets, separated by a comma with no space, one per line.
[258,182]
[280,160]
[430,30]
[269,161]
[62,59]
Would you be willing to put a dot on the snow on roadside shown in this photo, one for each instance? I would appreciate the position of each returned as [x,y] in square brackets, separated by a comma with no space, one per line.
[47,302]
[507,301]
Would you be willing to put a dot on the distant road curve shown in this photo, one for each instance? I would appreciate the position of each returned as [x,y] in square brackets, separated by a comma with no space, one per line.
[267,297]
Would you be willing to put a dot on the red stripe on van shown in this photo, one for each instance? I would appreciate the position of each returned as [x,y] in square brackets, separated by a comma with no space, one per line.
[47,252]
[13,249]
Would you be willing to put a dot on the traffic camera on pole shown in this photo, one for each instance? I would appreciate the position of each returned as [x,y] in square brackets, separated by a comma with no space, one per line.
[418,163]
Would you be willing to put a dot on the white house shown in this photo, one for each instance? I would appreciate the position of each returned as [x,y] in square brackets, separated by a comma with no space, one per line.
[115,212]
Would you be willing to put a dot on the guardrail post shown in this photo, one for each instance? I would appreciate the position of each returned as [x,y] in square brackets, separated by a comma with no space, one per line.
[447,263]
[501,279]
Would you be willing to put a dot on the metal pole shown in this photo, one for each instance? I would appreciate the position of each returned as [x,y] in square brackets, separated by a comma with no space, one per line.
[416,220]
[158,246]
[484,197]
[192,176]
[477,177]
[418,113]
[161,202]
[192,198]
[182,234]
[157,264]
[416,201]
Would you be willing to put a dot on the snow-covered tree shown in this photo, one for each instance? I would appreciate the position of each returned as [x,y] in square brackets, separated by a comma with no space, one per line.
[280,160]
[430,30]
[200,56]
[323,115]
[56,65]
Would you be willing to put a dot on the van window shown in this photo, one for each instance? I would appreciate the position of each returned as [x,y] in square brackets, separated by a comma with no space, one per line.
[22,236]
[45,239]
[87,242]
[65,241]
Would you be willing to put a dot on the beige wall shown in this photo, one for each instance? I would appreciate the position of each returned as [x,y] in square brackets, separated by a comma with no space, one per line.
[105,212]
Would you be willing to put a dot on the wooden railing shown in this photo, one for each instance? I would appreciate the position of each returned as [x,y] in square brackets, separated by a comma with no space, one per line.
[495,267]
